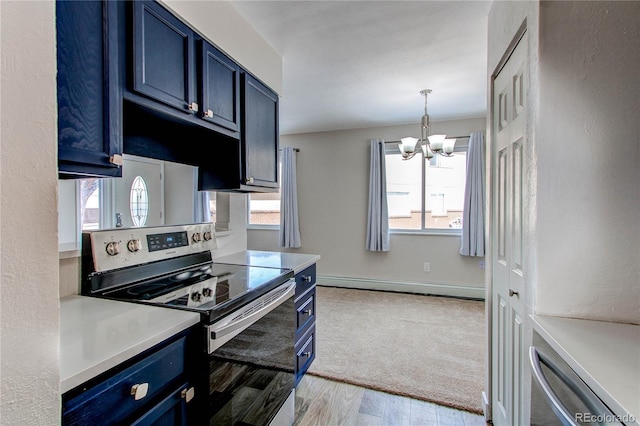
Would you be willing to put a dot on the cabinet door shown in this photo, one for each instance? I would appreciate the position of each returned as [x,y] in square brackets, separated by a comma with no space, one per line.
[259,134]
[172,410]
[220,87]
[163,57]
[89,96]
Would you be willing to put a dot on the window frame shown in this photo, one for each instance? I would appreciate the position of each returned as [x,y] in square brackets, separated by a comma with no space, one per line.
[391,148]
[248,210]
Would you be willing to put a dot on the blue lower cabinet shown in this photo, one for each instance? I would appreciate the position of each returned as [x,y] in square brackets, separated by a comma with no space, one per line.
[153,387]
[305,300]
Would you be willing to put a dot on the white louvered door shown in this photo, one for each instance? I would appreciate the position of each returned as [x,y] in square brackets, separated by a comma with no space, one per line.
[508,352]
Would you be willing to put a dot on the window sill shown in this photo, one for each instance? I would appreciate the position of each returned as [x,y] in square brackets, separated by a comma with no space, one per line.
[69,250]
[428,232]
[264,227]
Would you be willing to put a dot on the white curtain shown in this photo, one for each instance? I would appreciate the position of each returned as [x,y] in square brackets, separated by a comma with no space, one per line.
[472,243]
[201,208]
[378,215]
[289,236]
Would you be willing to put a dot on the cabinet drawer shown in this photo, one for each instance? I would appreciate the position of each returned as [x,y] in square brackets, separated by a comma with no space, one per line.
[305,353]
[305,312]
[111,401]
[305,280]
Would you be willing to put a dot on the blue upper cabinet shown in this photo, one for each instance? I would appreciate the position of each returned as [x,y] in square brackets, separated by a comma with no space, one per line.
[163,56]
[220,87]
[89,96]
[260,134]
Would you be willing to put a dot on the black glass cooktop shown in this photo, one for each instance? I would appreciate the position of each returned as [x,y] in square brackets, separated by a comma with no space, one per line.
[220,288]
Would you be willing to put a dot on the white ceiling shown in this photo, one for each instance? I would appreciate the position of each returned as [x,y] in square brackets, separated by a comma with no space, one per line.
[356,64]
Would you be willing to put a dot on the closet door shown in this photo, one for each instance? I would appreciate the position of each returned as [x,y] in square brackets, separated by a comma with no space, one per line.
[508,351]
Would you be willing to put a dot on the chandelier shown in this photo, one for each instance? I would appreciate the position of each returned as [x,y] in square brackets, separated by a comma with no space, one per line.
[429,144]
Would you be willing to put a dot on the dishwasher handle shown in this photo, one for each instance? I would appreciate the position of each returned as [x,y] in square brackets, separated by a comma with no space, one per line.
[581,390]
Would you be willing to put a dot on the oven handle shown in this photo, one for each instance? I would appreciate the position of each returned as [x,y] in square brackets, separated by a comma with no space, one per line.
[251,313]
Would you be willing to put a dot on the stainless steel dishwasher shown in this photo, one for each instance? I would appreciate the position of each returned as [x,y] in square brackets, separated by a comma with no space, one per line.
[560,396]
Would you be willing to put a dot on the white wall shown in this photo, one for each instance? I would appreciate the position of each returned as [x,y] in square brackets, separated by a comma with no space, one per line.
[333,176]
[29,308]
[227,29]
[588,161]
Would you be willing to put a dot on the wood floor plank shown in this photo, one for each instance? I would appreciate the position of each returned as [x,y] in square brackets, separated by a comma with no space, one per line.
[325,402]
[397,411]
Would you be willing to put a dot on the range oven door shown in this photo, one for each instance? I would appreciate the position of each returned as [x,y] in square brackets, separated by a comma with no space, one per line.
[252,360]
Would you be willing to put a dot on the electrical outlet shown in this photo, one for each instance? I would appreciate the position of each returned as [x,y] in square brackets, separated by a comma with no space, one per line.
[427,267]
[481,264]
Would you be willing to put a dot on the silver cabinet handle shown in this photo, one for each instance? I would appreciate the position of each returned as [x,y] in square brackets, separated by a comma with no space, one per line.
[139,391]
[250,180]
[208,113]
[307,312]
[513,293]
[306,279]
[306,354]
[193,107]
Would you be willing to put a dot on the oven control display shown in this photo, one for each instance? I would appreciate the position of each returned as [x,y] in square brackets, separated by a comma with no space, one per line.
[167,241]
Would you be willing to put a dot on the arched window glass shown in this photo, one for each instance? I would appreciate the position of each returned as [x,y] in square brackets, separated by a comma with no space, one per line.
[139,202]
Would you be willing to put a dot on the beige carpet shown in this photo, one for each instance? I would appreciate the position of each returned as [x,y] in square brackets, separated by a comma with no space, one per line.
[424,347]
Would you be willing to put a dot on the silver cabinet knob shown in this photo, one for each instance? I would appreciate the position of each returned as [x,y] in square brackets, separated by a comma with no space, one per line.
[193,107]
[307,312]
[307,354]
[250,180]
[306,279]
[208,113]
[513,293]
[116,159]
[188,394]
[139,391]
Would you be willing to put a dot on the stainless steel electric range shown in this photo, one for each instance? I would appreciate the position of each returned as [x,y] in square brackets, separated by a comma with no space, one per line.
[247,313]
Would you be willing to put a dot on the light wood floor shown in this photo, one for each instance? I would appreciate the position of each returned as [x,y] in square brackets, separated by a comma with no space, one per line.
[328,403]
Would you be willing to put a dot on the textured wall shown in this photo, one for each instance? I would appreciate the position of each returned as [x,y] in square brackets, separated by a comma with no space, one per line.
[29,308]
[588,155]
[333,176]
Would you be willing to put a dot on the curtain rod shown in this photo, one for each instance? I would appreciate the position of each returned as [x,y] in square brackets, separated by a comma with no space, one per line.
[295,149]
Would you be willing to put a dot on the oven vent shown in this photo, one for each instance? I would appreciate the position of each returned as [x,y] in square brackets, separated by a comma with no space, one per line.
[259,305]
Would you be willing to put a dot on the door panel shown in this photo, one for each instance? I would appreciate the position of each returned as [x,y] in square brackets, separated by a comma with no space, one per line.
[151,172]
[163,56]
[509,103]
[220,92]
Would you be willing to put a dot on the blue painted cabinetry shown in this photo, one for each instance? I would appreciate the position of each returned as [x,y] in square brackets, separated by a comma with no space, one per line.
[219,87]
[305,300]
[89,96]
[153,388]
[163,57]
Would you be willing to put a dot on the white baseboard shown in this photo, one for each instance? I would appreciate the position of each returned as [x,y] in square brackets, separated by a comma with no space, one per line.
[404,287]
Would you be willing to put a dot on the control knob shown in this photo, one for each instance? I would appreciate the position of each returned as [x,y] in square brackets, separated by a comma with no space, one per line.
[207,235]
[134,245]
[113,248]
[206,292]
[197,237]
[196,297]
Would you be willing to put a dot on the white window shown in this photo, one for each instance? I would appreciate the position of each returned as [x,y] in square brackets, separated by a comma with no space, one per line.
[90,202]
[425,195]
[264,208]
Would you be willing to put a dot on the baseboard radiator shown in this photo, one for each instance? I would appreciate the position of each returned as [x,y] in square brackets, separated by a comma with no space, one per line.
[435,289]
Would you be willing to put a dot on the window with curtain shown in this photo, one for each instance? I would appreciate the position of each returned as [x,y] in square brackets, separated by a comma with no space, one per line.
[264,208]
[425,195]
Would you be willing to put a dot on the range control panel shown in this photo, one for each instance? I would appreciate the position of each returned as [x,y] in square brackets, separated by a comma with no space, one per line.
[123,247]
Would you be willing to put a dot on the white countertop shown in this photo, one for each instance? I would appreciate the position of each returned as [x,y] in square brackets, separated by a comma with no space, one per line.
[605,355]
[271,259]
[98,334]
